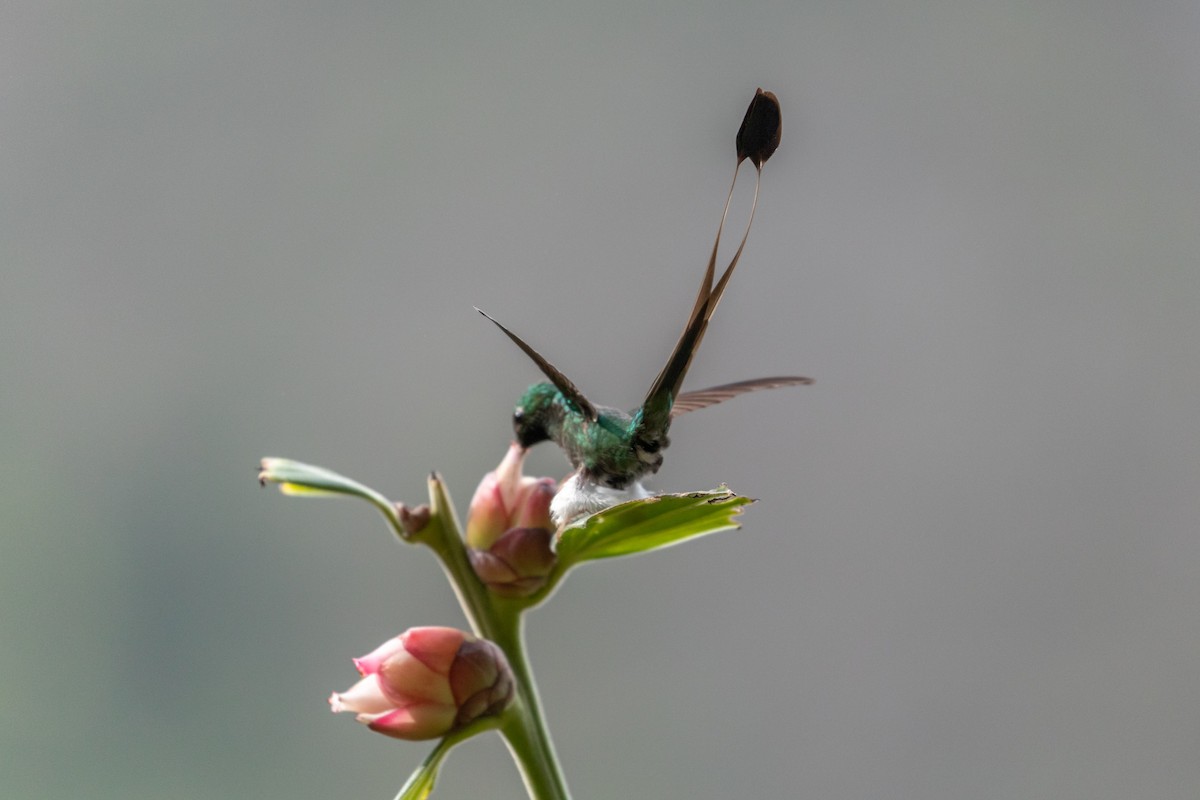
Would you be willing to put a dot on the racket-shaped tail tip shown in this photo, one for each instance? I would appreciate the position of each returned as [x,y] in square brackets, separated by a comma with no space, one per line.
[761,128]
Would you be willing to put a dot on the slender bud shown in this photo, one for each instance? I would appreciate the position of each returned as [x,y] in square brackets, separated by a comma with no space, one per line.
[428,682]
[509,531]
[761,128]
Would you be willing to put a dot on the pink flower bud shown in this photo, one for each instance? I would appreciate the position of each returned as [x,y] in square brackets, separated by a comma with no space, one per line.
[426,683]
[518,564]
[509,531]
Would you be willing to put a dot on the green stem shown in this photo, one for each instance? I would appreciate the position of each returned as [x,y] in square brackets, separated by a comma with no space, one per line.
[500,621]
[526,732]
[444,536]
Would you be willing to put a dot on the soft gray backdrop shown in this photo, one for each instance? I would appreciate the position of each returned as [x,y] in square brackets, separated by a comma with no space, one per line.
[239,229]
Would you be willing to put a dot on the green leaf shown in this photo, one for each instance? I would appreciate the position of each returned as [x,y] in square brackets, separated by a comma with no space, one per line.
[420,784]
[643,525]
[305,480]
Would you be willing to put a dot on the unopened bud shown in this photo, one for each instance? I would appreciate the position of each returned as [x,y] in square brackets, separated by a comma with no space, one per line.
[413,520]
[428,682]
[509,531]
[518,563]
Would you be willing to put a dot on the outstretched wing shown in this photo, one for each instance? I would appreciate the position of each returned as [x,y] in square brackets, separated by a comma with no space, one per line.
[703,398]
[560,381]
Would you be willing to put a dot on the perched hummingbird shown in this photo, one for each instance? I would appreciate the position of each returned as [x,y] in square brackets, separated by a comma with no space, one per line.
[612,451]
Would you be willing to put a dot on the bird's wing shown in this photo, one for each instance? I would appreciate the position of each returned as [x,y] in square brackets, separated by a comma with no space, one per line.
[560,381]
[703,398]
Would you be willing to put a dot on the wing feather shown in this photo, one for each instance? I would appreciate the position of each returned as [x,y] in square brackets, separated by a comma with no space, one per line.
[703,398]
[560,381]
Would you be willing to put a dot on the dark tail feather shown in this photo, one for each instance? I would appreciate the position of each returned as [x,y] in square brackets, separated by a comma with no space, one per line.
[658,400]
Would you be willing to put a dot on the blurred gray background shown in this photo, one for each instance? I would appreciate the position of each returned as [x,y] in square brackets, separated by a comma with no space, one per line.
[232,230]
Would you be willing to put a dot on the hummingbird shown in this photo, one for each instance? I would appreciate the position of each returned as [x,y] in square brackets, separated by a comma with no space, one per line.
[611,450]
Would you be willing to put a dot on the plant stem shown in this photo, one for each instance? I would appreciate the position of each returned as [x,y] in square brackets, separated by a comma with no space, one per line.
[500,621]
[526,733]
[445,539]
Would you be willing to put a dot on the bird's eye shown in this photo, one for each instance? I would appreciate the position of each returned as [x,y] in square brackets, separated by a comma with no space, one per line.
[518,415]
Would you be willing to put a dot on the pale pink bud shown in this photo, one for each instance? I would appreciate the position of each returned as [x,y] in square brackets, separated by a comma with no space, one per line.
[509,531]
[426,683]
[495,501]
